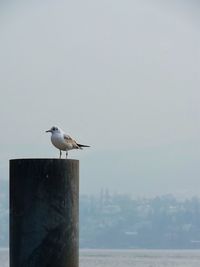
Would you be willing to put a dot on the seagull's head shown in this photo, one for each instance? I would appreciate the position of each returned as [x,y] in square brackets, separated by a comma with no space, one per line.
[54,130]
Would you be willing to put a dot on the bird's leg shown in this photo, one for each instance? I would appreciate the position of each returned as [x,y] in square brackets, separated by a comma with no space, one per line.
[60,154]
[66,154]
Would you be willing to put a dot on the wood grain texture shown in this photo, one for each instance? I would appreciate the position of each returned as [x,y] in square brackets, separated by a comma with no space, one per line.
[44,196]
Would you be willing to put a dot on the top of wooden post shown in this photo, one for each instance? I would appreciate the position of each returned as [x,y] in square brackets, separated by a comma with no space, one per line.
[44,159]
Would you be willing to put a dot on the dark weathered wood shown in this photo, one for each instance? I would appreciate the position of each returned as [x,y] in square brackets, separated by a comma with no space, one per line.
[44,212]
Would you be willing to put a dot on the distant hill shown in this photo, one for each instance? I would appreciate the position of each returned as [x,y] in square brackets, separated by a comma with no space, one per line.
[4,213]
[119,221]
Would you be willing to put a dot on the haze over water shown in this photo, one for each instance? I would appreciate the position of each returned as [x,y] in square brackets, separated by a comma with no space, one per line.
[120,76]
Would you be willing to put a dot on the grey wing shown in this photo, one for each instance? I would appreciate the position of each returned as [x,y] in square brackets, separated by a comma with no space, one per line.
[70,142]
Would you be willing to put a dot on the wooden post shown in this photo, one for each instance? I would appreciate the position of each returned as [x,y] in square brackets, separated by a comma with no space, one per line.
[44,195]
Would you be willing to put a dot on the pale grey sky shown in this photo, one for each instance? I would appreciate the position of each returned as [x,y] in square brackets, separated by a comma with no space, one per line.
[122,76]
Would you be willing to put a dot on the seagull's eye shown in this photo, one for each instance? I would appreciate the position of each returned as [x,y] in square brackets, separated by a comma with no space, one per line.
[53,128]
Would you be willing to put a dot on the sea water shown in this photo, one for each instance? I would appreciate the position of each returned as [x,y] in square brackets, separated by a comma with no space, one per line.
[130,258]
[139,258]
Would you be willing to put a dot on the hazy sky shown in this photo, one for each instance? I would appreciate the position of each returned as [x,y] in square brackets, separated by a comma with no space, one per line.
[122,76]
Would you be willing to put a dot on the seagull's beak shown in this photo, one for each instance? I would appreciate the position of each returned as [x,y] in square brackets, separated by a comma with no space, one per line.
[48,131]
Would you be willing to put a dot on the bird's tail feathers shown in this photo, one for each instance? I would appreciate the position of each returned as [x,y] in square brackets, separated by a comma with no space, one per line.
[81,146]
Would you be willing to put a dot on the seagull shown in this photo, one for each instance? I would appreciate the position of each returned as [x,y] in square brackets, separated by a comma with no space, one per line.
[63,141]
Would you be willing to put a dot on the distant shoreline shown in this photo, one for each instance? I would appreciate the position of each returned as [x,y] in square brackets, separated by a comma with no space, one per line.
[128,250]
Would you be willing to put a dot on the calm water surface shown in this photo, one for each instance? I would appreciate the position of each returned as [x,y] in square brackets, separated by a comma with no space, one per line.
[131,258]
[139,258]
